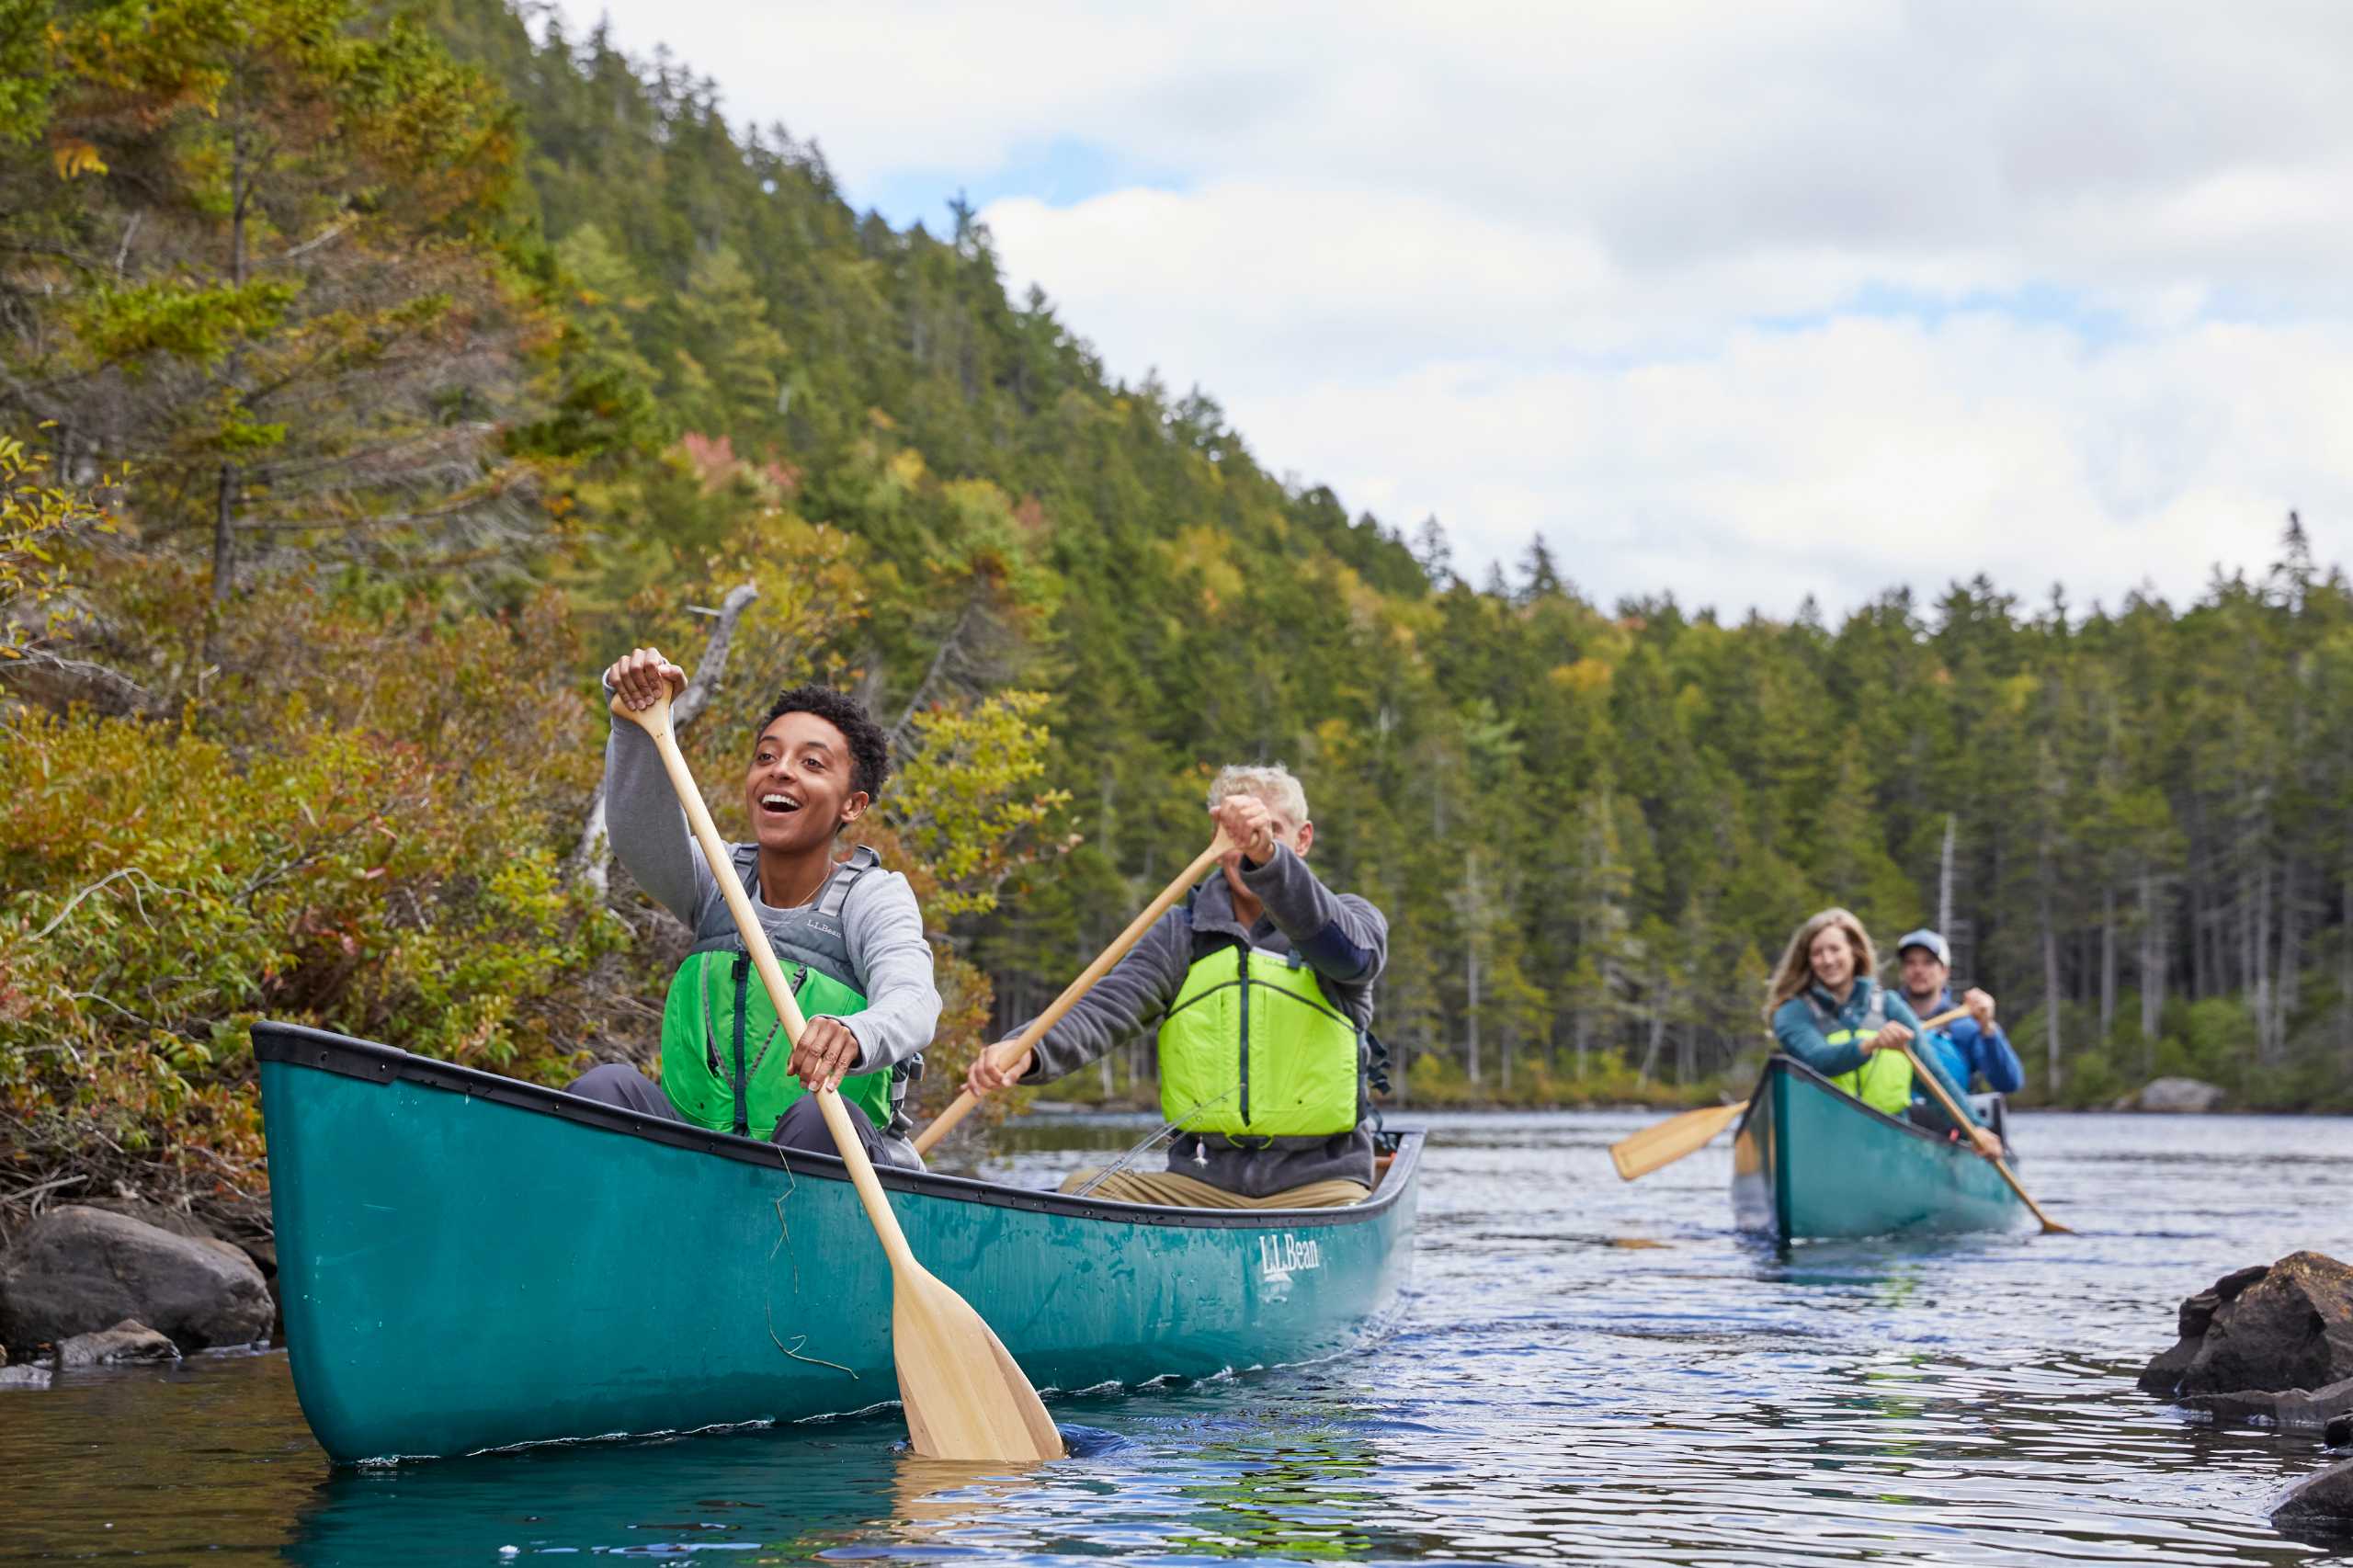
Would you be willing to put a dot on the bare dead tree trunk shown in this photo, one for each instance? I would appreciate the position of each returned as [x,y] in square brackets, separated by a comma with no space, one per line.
[59,683]
[591,858]
[2344,955]
[2292,958]
[2152,967]
[2107,961]
[1944,882]
[225,499]
[2255,941]
[2052,998]
[1470,983]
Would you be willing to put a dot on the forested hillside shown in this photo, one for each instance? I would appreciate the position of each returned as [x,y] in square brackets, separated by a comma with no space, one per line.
[372,382]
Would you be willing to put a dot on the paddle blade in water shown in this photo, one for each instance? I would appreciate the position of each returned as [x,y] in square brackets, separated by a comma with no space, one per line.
[965,1397]
[1671,1140]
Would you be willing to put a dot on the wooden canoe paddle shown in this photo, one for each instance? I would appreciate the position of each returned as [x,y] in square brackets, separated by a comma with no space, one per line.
[1014,1050]
[1962,1118]
[965,1397]
[1664,1142]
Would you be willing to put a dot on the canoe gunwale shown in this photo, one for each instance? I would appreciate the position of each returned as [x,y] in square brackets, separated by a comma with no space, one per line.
[1777,1063]
[300,1045]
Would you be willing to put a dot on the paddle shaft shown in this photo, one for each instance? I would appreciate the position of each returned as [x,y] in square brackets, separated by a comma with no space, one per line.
[655,722]
[1021,1044]
[1962,1118]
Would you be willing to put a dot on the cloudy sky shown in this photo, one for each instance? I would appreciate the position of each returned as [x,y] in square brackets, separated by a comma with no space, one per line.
[1744,301]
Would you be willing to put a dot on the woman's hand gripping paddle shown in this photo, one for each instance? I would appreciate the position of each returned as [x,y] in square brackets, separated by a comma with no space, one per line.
[1961,1119]
[965,1398]
[1667,1141]
[1013,1050]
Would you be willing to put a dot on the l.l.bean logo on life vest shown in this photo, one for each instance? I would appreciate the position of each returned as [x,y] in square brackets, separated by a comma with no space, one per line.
[1281,1257]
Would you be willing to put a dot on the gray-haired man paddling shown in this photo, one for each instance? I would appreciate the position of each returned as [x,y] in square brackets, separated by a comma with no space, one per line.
[1261,983]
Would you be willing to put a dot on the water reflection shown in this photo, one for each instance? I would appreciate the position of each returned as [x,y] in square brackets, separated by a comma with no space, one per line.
[1554,1394]
[786,1496]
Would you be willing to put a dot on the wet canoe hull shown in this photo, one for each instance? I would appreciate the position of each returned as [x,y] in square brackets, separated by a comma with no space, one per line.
[1810,1161]
[466,1262]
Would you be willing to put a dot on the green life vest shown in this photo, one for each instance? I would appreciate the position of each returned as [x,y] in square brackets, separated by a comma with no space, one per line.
[1252,1047]
[724,1049]
[1884,1080]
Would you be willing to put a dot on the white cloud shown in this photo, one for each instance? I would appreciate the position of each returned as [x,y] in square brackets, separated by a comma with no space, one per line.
[1603,269]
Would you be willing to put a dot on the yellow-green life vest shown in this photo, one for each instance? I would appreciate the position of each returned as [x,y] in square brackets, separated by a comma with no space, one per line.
[1252,1047]
[719,1031]
[724,1052]
[1884,1080]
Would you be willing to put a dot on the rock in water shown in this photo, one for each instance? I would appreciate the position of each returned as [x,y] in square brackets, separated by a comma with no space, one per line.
[24,1377]
[2187,1096]
[2293,1410]
[80,1270]
[2319,1505]
[2287,1326]
[128,1340]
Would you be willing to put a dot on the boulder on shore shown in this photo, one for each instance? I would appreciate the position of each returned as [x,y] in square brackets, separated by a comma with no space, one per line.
[2275,1327]
[24,1377]
[81,1271]
[2187,1096]
[2319,1505]
[128,1340]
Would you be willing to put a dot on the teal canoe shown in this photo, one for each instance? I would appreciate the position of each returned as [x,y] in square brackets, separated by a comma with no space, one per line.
[466,1262]
[1812,1161]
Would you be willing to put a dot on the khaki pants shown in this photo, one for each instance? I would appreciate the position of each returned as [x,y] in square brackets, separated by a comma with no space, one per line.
[1169,1190]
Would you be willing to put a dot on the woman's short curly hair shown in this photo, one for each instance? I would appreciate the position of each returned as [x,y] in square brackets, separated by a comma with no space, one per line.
[869,748]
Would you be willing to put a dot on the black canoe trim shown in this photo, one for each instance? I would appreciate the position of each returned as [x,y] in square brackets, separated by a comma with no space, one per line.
[298,1045]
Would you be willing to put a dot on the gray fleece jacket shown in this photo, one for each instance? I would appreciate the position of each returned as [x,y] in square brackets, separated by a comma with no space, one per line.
[1341,936]
[881,923]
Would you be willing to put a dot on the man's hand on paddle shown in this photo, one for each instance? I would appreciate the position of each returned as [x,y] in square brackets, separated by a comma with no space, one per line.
[637,677]
[1987,1143]
[1981,1008]
[826,1050]
[1249,823]
[986,1077]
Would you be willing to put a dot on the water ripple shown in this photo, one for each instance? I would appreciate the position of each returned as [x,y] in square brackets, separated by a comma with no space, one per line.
[1589,1370]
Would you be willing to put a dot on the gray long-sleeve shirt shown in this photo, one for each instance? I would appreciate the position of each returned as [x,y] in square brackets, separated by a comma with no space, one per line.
[881,923]
[1344,939]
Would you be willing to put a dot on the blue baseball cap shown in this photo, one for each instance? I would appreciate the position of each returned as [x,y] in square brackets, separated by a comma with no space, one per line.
[1924,937]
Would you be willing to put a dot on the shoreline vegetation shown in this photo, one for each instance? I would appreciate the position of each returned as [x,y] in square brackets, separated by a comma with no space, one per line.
[367,384]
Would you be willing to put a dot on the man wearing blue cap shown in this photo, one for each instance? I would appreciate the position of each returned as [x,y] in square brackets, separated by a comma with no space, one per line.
[1967,1048]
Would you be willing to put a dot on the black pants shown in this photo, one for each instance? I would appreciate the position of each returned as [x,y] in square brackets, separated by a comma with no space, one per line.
[802,1125]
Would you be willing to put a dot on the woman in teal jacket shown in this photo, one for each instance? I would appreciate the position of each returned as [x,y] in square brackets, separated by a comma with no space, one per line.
[1828,1012]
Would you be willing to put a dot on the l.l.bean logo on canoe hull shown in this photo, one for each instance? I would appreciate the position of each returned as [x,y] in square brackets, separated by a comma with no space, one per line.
[1281,1257]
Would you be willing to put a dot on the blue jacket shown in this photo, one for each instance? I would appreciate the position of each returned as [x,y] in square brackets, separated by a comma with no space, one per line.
[1967,1053]
[1795,1028]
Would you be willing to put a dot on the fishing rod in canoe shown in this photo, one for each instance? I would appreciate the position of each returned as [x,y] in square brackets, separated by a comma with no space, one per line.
[1011,1052]
[1144,1146]
[965,1398]
[1664,1142]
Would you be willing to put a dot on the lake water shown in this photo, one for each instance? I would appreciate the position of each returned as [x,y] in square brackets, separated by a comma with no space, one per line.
[1590,1370]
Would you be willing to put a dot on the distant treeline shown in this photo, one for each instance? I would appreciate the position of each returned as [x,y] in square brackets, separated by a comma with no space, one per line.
[375,381]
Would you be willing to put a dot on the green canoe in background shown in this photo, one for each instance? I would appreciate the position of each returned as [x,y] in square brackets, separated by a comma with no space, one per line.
[468,1262]
[1812,1162]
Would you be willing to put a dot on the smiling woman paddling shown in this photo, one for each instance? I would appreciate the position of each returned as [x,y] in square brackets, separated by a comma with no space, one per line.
[847,932]
[1828,1012]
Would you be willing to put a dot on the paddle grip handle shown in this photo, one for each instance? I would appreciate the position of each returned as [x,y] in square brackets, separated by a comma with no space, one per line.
[1021,1044]
[654,720]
